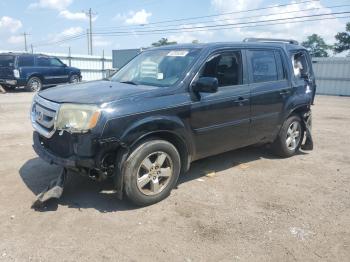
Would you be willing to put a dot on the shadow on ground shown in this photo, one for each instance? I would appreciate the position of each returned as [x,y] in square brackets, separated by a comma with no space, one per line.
[81,192]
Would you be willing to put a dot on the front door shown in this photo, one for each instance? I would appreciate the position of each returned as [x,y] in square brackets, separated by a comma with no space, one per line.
[59,71]
[53,71]
[220,121]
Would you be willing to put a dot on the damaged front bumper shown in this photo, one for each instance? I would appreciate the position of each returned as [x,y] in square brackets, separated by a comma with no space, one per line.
[68,162]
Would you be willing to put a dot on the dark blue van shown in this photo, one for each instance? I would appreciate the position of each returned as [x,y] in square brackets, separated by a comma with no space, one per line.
[35,71]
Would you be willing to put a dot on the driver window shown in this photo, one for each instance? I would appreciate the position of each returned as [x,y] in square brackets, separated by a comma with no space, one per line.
[55,62]
[226,67]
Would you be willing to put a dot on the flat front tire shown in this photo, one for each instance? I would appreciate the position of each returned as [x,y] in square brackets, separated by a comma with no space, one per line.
[151,171]
[290,137]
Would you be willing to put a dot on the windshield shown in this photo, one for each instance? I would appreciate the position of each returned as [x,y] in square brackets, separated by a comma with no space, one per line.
[157,67]
[6,60]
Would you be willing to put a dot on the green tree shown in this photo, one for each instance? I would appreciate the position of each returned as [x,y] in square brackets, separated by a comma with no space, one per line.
[163,41]
[195,41]
[316,46]
[343,40]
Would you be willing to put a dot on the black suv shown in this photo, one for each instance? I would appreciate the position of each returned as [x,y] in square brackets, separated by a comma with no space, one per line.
[172,105]
[34,71]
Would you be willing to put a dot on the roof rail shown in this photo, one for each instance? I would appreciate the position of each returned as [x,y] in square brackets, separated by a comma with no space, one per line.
[290,41]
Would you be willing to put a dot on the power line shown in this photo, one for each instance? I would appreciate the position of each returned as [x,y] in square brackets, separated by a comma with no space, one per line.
[247,26]
[207,27]
[77,36]
[229,13]
[220,25]
[236,18]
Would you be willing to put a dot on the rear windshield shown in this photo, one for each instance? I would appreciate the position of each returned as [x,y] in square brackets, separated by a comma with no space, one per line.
[7,60]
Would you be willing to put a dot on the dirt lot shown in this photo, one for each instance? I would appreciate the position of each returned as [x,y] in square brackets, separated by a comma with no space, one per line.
[253,208]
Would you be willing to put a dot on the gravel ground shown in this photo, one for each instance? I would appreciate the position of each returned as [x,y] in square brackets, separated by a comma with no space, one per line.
[243,205]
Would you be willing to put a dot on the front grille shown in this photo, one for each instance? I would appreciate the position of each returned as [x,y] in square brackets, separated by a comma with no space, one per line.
[43,116]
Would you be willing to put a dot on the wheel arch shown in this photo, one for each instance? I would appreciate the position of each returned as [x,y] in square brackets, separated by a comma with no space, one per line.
[172,138]
[38,75]
[300,111]
[169,128]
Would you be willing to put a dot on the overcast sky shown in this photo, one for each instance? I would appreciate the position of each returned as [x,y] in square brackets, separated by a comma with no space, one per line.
[49,21]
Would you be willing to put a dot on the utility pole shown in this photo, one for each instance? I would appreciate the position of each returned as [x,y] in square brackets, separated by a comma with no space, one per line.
[25,41]
[31,47]
[88,41]
[90,18]
[90,14]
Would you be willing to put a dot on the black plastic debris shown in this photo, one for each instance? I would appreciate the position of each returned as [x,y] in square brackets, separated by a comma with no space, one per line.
[53,190]
[309,143]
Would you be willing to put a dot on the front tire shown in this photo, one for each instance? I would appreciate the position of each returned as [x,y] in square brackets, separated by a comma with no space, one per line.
[74,79]
[34,84]
[290,137]
[151,172]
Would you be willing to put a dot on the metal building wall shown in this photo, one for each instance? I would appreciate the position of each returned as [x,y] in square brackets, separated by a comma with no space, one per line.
[332,75]
[92,67]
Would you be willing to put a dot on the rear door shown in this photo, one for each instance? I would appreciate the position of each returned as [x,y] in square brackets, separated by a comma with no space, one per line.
[25,64]
[43,67]
[220,121]
[270,90]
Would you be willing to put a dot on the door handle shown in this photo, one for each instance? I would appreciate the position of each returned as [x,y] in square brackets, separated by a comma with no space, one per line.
[241,100]
[284,92]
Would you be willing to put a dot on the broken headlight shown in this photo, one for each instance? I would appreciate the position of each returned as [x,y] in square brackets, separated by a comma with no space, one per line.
[76,118]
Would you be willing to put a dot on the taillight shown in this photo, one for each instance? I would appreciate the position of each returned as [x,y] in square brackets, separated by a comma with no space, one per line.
[16,73]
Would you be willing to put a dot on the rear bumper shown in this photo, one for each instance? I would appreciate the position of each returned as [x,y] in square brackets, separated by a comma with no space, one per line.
[13,82]
[51,158]
[8,82]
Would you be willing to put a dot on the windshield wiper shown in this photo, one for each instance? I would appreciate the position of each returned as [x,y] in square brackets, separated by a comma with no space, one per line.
[128,82]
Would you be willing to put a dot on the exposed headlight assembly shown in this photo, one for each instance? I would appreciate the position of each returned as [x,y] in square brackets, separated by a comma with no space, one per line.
[75,118]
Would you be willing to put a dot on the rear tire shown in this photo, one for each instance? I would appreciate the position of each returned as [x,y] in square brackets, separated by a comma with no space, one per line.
[290,137]
[34,84]
[151,171]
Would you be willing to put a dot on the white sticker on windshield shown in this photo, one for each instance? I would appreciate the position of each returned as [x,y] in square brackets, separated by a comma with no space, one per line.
[178,53]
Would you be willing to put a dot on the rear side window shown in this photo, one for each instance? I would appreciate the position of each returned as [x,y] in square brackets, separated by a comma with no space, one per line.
[263,66]
[26,61]
[43,61]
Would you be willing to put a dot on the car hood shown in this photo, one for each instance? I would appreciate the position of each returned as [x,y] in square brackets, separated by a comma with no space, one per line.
[95,92]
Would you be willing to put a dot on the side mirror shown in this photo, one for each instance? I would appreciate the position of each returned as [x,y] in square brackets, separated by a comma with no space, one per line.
[64,65]
[206,85]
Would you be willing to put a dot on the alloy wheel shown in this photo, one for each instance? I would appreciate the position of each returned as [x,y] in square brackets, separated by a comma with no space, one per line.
[154,173]
[293,135]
